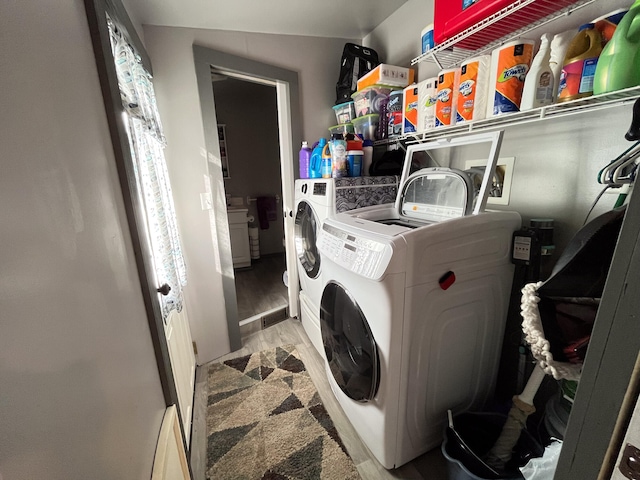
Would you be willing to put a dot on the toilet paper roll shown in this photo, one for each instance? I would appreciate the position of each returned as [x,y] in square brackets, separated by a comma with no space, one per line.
[509,66]
[473,86]
[427,94]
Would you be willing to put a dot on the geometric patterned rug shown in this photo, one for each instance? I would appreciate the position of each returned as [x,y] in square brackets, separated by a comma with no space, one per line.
[265,421]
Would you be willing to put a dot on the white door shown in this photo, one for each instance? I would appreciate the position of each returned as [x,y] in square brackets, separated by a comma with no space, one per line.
[183,363]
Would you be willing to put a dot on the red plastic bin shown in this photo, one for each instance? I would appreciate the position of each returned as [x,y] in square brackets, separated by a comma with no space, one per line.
[452,18]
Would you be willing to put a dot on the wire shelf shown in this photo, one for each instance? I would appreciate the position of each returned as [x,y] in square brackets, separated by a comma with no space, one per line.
[558,110]
[488,34]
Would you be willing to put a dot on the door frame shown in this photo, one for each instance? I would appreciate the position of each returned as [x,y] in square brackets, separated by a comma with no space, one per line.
[288,105]
[96,11]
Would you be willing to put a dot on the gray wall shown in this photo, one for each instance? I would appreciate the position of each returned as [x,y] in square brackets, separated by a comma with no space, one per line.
[80,393]
[250,113]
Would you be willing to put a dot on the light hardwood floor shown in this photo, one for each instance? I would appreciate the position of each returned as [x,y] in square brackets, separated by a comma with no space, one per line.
[431,466]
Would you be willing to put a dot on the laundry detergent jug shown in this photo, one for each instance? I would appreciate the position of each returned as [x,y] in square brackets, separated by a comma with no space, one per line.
[619,64]
[578,71]
[315,164]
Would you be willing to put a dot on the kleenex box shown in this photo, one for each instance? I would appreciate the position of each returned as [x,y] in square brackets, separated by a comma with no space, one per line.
[385,74]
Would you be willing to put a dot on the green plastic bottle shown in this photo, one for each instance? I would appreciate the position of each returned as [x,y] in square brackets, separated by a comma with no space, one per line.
[619,63]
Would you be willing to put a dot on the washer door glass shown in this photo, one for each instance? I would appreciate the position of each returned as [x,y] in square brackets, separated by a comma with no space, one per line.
[305,236]
[349,346]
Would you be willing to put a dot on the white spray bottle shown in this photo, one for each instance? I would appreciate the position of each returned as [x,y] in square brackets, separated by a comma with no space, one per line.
[539,82]
[559,47]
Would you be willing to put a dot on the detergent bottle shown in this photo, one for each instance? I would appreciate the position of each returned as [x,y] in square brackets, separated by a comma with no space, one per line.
[538,84]
[620,58]
[325,167]
[315,164]
[338,149]
[304,158]
[578,71]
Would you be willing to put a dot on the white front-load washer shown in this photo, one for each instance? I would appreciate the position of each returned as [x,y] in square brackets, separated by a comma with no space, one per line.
[414,307]
[315,201]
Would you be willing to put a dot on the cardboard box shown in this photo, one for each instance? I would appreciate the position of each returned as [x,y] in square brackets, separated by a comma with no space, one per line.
[385,74]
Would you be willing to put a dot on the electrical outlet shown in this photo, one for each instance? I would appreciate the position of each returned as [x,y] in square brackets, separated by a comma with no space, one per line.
[504,167]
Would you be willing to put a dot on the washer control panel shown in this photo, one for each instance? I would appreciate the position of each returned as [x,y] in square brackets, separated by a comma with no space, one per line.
[363,256]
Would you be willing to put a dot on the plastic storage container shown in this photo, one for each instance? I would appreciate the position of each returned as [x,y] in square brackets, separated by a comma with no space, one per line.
[371,99]
[619,64]
[343,128]
[354,161]
[581,60]
[367,126]
[345,112]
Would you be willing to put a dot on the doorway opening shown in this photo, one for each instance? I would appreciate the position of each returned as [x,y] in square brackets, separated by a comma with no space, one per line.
[248,134]
[208,62]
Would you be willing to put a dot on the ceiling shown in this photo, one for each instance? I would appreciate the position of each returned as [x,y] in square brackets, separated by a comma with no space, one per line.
[328,18]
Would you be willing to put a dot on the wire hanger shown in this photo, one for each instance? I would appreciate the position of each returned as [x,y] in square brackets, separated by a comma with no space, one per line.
[622,170]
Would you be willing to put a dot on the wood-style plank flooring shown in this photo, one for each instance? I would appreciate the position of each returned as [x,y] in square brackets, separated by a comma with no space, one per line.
[431,466]
[260,288]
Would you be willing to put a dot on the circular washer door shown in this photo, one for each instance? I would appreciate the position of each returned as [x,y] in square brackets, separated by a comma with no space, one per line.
[305,237]
[349,346]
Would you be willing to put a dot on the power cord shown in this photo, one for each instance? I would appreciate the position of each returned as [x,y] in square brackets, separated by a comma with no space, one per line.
[595,202]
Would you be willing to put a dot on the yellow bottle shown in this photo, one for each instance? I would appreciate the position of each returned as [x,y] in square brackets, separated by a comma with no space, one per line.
[578,72]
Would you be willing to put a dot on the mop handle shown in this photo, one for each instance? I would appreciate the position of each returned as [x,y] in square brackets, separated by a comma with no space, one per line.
[522,407]
[533,384]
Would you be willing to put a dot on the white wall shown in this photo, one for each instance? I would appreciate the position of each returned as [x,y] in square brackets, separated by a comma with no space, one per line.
[80,392]
[316,59]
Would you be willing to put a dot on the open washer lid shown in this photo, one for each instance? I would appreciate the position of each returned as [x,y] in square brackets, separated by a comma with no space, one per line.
[425,195]
[436,194]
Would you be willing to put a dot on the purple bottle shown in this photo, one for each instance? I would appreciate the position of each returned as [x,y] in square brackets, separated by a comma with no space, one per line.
[305,157]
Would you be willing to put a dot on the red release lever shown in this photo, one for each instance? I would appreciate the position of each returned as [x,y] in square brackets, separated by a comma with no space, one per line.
[447,280]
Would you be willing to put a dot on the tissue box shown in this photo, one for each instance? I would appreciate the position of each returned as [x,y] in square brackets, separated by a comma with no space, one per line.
[385,74]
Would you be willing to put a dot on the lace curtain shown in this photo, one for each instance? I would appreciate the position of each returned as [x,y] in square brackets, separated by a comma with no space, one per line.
[147,151]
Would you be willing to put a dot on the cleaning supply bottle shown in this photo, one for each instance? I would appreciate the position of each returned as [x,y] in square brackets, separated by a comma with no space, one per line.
[338,149]
[367,158]
[325,166]
[559,47]
[315,165]
[620,58]
[538,84]
[578,71]
[304,158]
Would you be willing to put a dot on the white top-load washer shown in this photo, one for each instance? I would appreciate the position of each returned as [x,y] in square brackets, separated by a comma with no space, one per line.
[414,305]
[315,201]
